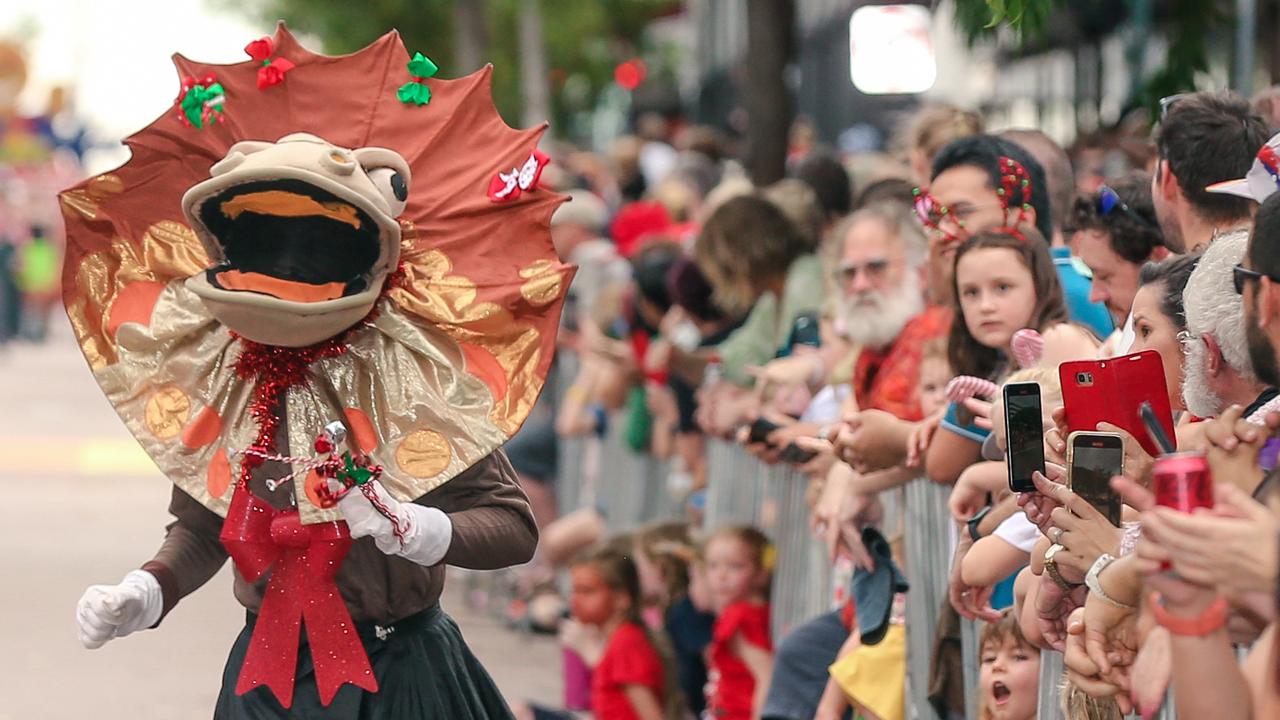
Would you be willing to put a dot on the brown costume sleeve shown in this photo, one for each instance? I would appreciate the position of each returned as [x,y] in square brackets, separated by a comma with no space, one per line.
[191,552]
[493,526]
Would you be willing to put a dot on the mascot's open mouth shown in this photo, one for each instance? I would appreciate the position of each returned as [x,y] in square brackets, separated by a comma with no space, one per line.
[290,240]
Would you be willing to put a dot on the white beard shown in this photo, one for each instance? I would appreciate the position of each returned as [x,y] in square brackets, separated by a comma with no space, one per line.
[1199,399]
[874,319]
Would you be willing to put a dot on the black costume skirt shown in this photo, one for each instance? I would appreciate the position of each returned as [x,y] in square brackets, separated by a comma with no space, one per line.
[424,671]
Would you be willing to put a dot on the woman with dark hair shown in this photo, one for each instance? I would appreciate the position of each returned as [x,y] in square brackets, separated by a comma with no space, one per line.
[1159,317]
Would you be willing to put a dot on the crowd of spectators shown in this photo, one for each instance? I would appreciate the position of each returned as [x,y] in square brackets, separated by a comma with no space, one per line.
[857,322]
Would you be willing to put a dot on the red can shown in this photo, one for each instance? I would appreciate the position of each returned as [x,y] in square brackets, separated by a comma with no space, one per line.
[1183,481]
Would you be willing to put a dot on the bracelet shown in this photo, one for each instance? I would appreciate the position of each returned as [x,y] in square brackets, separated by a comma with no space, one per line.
[1051,567]
[1213,617]
[974,533]
[1095,585]
[1129,539]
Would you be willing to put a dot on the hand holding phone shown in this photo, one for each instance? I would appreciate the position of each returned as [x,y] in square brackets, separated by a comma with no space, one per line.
[1113,390]
[760,430]
[1096,457]
[1024,434]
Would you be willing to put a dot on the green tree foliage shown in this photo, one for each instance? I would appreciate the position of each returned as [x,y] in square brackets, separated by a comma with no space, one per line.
[585,39]
[1187,24]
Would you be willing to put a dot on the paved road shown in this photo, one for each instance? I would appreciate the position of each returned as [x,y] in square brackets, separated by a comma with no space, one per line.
[82,504]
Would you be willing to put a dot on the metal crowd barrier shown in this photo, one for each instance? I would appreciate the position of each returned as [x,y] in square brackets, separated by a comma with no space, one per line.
[743,491]
[929,539]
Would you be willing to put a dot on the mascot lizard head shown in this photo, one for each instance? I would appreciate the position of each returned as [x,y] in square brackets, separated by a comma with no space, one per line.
[301,235]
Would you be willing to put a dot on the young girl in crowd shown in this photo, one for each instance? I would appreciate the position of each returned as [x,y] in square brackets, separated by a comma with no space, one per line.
[1009,672]
[738,564]
[674,584]
[935,373]
[1004,281]
[631,679]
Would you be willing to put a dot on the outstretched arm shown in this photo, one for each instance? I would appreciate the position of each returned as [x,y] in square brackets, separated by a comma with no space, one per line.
[190,554]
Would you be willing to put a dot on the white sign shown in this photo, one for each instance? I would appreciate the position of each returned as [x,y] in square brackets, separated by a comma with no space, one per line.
[890,50]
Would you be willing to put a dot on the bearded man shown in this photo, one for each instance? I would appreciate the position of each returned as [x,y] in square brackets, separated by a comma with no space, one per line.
[880,276]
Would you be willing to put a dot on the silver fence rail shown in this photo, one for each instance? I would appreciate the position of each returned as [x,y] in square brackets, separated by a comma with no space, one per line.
[743,491]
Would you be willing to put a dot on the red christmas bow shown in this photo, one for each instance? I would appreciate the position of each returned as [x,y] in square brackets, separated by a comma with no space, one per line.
[272,71]
[508,186]
[303,560]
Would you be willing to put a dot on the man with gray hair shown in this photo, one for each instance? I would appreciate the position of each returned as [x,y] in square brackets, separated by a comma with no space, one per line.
[1217,372]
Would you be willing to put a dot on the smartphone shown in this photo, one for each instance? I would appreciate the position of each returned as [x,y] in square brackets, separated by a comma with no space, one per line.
[796,455]
[1112,390]
[1024,434]
[1093,459]
[760,430]
[804,331]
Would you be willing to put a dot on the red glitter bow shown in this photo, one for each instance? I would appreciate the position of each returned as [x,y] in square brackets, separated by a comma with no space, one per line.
[272,71]
[303,559]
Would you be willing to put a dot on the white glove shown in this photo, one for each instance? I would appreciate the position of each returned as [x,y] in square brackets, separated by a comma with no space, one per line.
[426,531]
[111,611]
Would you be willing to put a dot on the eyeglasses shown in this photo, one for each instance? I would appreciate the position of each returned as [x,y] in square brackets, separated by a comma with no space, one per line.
[933,213]
[1109,201]
[874,269]
[1241,274]
[1166,103]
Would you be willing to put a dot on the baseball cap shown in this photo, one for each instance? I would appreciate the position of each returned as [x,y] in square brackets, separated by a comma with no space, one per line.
[1262,179]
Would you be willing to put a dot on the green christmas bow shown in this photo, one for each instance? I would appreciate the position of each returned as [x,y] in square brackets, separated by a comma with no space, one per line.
[357,474]
[416,91]
[198,109]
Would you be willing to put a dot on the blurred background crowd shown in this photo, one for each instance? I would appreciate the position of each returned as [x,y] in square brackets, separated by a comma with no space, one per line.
[813,239]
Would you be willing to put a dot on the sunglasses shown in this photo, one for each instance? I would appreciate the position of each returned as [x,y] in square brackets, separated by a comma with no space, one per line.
[1109,201]
[1241,275]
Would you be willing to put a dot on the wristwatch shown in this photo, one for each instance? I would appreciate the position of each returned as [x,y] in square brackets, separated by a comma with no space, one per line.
[1051,567]
[974,521]
[1095,585]
[1213,617]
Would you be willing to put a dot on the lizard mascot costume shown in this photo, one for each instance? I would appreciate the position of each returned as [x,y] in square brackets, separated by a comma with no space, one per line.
[322,294]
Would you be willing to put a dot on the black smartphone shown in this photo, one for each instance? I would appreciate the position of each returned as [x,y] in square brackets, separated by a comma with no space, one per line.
[1096,457]
[1024,434]
[806,330]
[796,455]
[760,430]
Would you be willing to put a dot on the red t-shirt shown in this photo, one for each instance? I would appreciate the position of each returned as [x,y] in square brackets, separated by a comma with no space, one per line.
[629,659]
[886,379]
[730,685]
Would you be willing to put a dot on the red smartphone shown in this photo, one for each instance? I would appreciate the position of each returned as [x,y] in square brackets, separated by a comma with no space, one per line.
[1113,390]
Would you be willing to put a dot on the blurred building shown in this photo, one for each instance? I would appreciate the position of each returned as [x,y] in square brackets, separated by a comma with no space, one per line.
[1086,71]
